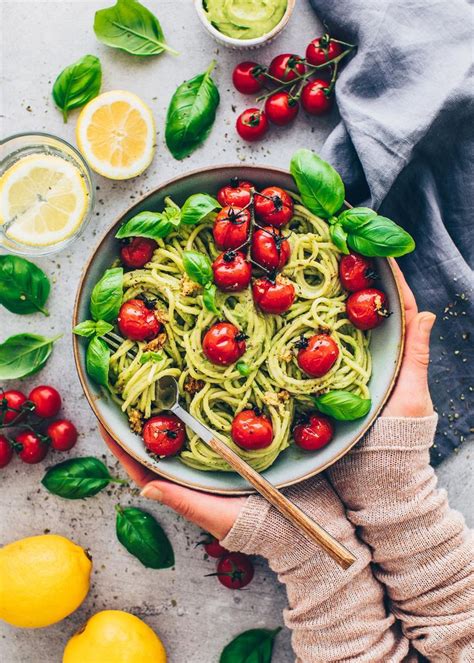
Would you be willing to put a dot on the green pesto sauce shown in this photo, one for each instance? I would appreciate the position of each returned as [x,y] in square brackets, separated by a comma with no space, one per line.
[245,19]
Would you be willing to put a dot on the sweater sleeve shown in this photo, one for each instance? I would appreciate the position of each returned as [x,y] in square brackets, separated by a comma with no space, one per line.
[334,615]
[421,548]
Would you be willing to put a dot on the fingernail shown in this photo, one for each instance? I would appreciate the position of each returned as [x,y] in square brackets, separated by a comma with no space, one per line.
[152,492]
[426,322]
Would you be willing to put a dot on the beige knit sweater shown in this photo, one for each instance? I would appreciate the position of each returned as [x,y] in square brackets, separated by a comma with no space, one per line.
[411,590]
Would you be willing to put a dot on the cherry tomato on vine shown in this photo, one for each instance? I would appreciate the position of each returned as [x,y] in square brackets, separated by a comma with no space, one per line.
[236,194]
[223,344]
[31,447]
[273,206]
[46,401]
[136,253]
[6,451]
[231,227]
[252,124]
[313,433]
[137,321]
[63,434]
[235,570]
[248,77]
[317,354]
[314,98]
[232,271]
[11,403]
[281,108]
[252,430]
[213,547]
[322,49]
[164,435]
[286,67]
[356,272]
[273,296]
[269,248]
[368,308]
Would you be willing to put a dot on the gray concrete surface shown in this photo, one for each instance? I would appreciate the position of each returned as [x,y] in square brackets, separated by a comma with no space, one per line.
[193,614]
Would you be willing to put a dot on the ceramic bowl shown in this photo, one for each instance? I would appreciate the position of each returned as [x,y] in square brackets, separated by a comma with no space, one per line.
[293,465]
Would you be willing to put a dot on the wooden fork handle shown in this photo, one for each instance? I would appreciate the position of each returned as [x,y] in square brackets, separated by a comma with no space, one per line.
[289,510]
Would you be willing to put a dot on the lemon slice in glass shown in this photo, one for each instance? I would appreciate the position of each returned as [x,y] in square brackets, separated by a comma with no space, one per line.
[116,134]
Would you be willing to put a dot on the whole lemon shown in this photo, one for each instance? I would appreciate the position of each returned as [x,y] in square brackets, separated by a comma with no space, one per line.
[114,636]
[42,580]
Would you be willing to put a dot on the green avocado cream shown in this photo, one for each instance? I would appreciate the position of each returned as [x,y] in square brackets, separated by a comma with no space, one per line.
[244,19]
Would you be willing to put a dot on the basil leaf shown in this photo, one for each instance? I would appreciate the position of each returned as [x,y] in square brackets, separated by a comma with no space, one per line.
[254,646]
[97,361]
[338,237]
[24,287]
[198,267]
[90,328]
[144,538]
[243,368]
[197,207]
[76,478]
[151,356]
[24,354]
[381,237]
[209,298]
[356,217]
[343,405]
[155,225]
[320,186]
[106,297]
[191,114]
[130,26]
[77,84]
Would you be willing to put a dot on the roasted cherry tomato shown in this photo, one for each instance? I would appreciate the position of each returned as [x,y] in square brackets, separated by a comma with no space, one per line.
[164,435]
[11,404]
[317,354]
[322,49]
[315,98]
[63,434]
[136,253]
[313,433]
[273,206]
[46,401]
[252,430]
[286,67]
[236,194]
[31,447]
[269,248]
[281,108]
[223,344]
[232,271]
[356,272]
[235,570]
[213,547]
[231,227]
[248,77]
[137,320]
[273,296]
[252,124]
[6,451]
[368,308]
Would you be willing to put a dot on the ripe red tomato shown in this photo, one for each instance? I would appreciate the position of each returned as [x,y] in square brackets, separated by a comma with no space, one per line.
[317,354]
[235,570]
[273,296]
[31,447]
[273,206]
[11,403]
[136,253]
[368,308]
[235,194]
[252,124]
[281,108]
[137,321]
[314,99]
[231,227]
[356,272]
[321,50]
[6,451]
[46,400]
[269,248]
[223,344]
[252,430]
[248,77]
[232,271]
[63,434]
[314,433]
[286,67]
[164,435]
[214,548]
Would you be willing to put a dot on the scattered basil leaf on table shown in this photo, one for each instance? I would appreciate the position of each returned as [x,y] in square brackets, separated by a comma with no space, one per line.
[197,207]
[343,405]
[77,478]
[209,298]
[106,297]
[339,237]
[24,354]
[151,356]
[144,538]
[243,368]
[24,287]
[198,267]
[321,187]
[154,225]
[377,236]
[97,361]
[191,114]
[133,28]
[77,84]
[254,646]
[90,328]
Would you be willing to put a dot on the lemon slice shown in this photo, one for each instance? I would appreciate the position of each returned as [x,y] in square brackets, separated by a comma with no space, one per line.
[43,200]
[116,134]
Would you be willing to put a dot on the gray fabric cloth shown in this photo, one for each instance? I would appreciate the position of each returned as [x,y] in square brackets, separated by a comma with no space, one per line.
[404,146]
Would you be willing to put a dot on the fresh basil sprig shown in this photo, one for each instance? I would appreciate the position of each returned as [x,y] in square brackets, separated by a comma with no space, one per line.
[320,186]
[343,405]
[130,26]
[144,538]
[197,207]
[199,269]
[155,225]
[24,287]
[97,361]
[191,114]
[254,646]
[77,478]
[24,354]
[77,84]
[373,235]
[90,328]
[106,297]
